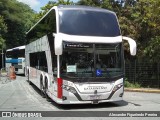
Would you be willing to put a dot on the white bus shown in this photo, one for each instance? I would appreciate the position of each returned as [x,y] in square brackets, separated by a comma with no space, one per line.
[16,57]
[75,55]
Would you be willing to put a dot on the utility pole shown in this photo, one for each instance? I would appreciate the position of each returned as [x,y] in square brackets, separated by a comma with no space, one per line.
[2,59]
[2,53]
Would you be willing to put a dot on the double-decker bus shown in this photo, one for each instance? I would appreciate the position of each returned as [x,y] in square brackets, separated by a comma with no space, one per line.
[16,57]
[75,55]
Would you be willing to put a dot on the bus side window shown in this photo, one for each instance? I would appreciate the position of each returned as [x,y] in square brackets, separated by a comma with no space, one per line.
[43,62]
[33,60]
[53,56]
[38,60]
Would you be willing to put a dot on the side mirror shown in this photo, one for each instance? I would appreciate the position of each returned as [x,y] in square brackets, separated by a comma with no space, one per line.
[58,44]
[132,45]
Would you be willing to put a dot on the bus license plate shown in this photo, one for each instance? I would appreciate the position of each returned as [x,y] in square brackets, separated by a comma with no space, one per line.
[94,97]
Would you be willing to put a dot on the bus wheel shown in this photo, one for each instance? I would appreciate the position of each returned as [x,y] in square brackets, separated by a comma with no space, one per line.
[24,71]
[28,78]
[42,87]
[46,89]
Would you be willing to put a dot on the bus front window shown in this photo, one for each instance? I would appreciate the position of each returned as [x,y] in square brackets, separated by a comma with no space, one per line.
[88,23]
[91,60]
[15,53]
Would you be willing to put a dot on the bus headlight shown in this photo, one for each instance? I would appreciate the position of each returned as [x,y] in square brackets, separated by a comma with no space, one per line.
[69,89]
[116,87]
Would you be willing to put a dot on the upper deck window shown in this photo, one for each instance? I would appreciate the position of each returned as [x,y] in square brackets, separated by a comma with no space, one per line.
[88,23]
[46,26]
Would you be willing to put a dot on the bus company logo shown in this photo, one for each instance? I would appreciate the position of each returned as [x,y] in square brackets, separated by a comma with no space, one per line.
[95,88]
[6,114]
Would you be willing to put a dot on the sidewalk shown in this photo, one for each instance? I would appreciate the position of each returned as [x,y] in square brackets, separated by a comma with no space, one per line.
[147,90]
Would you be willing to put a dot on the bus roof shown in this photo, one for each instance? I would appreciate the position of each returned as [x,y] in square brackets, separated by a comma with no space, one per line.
[79,7]
[15,48]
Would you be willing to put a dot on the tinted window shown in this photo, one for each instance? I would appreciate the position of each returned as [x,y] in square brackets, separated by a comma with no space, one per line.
[15,53]
[46,26]
[53,56]
[89,23]
[91,60]
[33,59]
[38,60]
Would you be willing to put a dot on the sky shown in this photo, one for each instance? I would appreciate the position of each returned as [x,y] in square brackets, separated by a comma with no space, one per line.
[37,4]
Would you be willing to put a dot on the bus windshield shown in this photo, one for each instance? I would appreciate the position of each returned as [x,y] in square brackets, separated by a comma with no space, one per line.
[88,23]
[15,53]
[90,60]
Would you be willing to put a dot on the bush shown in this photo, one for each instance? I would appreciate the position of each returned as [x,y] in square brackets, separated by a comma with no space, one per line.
[131,85]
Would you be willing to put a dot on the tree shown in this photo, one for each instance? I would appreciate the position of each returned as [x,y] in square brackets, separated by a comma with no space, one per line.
[152,50]
[50,4]
[3,30]
[145,19]
[19,18]
[90,2]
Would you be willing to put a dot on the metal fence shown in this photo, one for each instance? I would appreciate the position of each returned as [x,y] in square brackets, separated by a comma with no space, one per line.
[147,74]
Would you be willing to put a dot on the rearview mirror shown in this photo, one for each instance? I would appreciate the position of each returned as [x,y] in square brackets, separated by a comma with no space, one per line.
[132,45]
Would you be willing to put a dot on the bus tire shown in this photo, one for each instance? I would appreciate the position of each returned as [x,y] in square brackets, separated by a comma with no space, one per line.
[42,87]
[46,89]
[24,70]
[28,78]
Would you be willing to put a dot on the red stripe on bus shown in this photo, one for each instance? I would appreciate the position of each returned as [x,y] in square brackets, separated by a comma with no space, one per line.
[59,94]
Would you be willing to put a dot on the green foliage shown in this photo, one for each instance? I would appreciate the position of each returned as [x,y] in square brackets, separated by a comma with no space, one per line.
[2,42]
[131,85]
[144,17]
[3,30]
[3,26]
[50,4]
[90,2]
[153,48]
[19,18]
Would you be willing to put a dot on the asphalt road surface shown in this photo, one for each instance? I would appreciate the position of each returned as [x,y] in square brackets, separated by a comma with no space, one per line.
[18,95]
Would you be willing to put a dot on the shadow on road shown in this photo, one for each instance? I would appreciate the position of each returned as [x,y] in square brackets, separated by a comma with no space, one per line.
[91,106]
[21,75]
[82,106]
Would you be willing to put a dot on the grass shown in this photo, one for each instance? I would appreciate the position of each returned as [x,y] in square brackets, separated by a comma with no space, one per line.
[127,84]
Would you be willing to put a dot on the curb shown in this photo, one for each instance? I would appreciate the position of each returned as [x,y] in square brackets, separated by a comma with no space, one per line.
[146,90]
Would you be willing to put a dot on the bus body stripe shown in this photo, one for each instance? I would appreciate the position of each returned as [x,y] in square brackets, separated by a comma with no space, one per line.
[14,61]
[59,83]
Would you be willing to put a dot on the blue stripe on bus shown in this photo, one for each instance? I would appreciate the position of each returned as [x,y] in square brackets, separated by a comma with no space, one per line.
[14,61]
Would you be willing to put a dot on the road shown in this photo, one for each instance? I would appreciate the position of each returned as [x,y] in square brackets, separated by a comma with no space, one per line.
[18,95]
